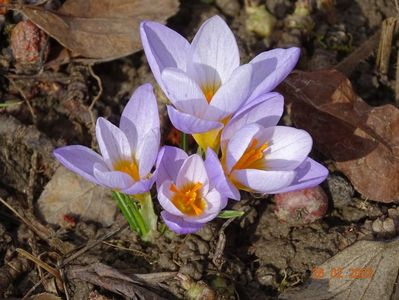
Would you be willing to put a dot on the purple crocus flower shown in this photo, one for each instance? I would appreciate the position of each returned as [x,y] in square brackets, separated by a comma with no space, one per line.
[204,80]
[185,191]
[259,156]
[128,152]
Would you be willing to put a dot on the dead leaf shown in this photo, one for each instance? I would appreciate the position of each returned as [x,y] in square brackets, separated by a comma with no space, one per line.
[100,29]
[363,140]
[45,296]
[68,194]
[367,270]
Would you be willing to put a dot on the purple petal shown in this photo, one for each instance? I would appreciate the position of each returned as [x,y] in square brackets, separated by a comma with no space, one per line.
[147,152]
[214,53]
[270,68]
[165,199]
[193,171]
[169,162]
[261,181]
[183,92]
[288,147]
[141,186]
[112,179]
[164,48]
[179,225]
[190,124]
[239,143]
[231,95]
[79,159]
[266,111]
[113,143]
[140,115]
[217,178]
[309,174]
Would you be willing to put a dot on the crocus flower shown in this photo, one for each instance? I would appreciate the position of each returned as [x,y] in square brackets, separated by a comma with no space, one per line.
[128,152]
[185,191]
[258,156]
[204,80]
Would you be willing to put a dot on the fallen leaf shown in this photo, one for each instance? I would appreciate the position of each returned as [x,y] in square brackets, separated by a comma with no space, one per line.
[367,270]
[45,296]
[68,194]
[100,29]
[363,140]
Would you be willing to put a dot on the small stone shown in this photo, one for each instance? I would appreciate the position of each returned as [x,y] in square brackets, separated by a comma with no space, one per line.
[229,7]
[28,43]
[377,226]
[388,226]
[301,207]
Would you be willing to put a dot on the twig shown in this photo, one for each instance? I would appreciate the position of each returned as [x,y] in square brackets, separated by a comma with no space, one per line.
[385,45]
[348,64]
[21,92]
[92,244]
[93,102]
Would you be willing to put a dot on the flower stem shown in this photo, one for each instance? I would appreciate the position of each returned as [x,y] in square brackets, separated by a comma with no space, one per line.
[139,213]
[184,141]
[128,211]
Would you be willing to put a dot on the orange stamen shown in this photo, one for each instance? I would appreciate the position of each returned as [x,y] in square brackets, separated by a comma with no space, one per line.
[128,167]
[188,199]
[210,90]
[252,157]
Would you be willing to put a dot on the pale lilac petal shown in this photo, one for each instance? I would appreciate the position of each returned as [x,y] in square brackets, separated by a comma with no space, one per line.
[193,171]
[288,147]
[141,186]
[140,115]
[217,178]
[147,152]
[165,199]
[266,111]
[169,162]
[79,159]
[113,143]
[261,181]
[179,225]
[231,95]
[112,179]
[271,68]
[309,174]
[164,48]
[214,53]
[190,124]
[183,92]
[239,143]
[215,203]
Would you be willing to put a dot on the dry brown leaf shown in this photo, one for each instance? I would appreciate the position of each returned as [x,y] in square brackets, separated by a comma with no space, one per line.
[68,194]
[363,140]
[367,270]
[45,296]
[100,29]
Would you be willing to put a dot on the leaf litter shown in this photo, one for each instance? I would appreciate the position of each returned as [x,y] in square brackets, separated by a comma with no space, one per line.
[361,139]
[367,270]
[100,30]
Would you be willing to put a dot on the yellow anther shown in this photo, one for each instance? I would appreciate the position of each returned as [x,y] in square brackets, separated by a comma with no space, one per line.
[210,90]
[129,167]
[188,199]
[252,157]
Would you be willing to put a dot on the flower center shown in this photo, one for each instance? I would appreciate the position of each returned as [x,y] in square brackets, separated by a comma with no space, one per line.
[188,199]
[252,157]
[210,90]
[128,167]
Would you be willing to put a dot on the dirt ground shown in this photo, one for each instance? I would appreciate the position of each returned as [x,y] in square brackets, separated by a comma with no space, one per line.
[254,257]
